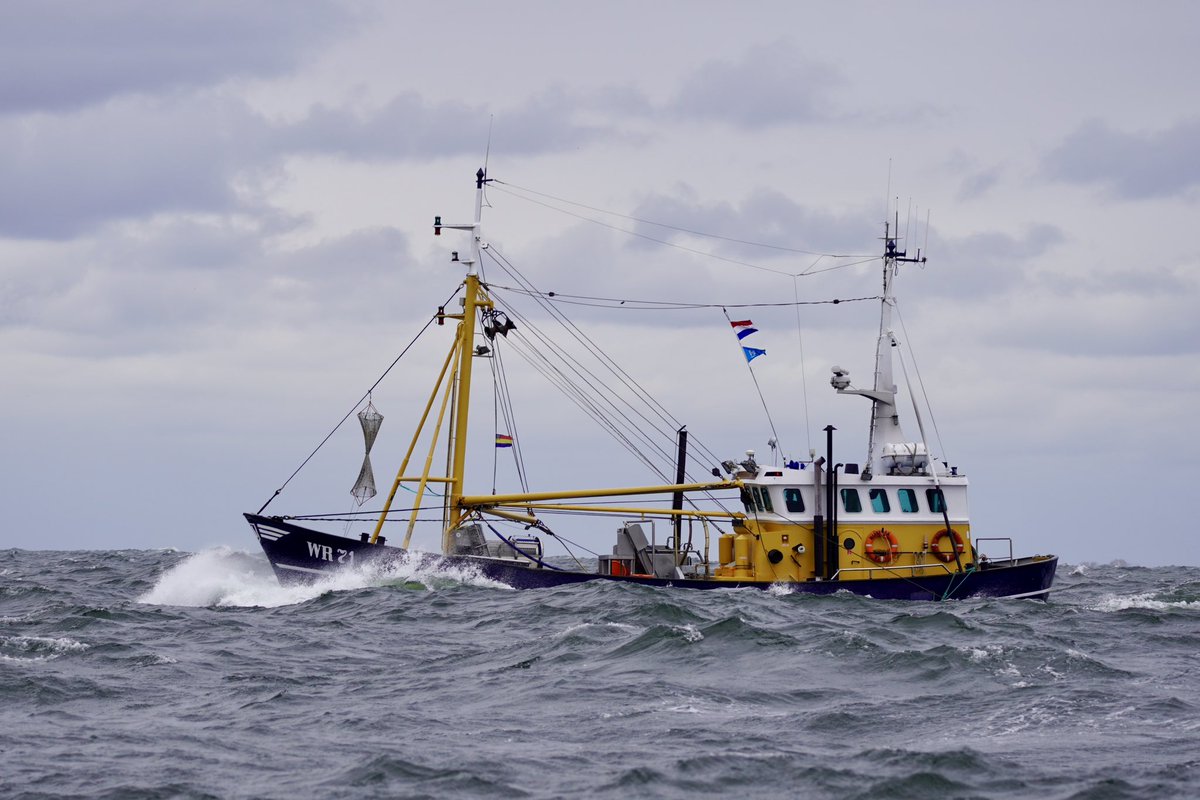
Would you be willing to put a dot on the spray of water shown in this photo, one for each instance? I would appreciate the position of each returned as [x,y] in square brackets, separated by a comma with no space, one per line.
[225,577]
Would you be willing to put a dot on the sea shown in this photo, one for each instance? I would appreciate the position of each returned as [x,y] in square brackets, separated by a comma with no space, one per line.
[163,674]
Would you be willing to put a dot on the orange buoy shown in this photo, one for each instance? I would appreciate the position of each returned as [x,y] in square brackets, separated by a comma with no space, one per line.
[949,555]
[884,553]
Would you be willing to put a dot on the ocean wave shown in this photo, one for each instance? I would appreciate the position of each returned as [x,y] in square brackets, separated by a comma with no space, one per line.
[223,577]
[1146,600]
[192,669]
[38,648]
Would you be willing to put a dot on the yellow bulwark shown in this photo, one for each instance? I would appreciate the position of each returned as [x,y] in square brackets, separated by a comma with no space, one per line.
[767,551]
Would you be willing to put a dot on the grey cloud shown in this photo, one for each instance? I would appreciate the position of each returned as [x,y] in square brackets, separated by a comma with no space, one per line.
[84,53]
[161,289]
[768,218]
[1108,320]
[978,183]
[68,174]
[989,245]
[410,127]
[770,85]
[1160,163]
[406,126]
[986,262]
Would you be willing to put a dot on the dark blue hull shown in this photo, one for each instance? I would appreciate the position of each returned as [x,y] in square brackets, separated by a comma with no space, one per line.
[303,555]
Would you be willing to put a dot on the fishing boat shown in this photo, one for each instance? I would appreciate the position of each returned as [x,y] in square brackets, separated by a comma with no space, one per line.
[894,527]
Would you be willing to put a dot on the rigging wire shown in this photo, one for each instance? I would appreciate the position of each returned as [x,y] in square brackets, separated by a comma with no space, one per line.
[803,369]
[921,382]
[366,394]
[601,394]
[750,367]
[591,347]
[663,224]
[503,394]
[601,390]
[495,423]
[516,191]
[684,248]
[667,305]
[586,401]
[541,526]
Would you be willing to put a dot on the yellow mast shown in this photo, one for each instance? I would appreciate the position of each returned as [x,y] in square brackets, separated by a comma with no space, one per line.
[473,299]
[458,505]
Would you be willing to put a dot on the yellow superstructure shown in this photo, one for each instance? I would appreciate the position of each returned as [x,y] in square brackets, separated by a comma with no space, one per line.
[785,552]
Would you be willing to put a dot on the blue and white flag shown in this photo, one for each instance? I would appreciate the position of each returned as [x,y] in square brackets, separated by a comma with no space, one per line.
[753,353]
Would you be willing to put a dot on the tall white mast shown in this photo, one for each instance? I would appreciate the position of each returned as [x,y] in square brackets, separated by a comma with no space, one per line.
[885,419]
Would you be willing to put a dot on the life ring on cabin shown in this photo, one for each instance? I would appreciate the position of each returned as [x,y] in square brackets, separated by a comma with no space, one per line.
[949,555]
[884,554]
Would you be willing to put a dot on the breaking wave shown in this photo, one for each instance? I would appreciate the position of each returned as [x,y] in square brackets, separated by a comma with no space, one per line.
[225,577]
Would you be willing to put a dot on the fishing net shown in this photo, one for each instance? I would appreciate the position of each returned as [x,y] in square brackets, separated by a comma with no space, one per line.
[364,487]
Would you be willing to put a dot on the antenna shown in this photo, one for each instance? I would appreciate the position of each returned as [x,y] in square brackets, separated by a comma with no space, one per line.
[887,198]
[926,246]
[487,153]
[907,221]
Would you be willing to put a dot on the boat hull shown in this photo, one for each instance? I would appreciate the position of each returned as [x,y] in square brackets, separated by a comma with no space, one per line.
[302,555]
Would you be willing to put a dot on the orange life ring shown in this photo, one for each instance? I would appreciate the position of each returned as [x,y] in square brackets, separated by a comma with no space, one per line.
[885,554]
[948,556]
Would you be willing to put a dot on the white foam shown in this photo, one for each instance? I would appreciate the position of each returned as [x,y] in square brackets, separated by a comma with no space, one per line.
[431,573]
[621,626]
[38,648]
[690,632]
[223,577]
[1146,600]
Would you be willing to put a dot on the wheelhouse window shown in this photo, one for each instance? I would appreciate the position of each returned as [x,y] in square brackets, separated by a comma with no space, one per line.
[937,501]
[756,499]
[748,500]
[908,501]
[793,500]
[850,501]
[879,501]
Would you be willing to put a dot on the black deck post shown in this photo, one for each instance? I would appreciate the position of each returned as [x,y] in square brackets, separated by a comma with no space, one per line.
[831,535]
[677,497]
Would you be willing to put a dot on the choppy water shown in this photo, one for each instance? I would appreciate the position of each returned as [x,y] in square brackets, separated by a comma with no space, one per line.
[133,674]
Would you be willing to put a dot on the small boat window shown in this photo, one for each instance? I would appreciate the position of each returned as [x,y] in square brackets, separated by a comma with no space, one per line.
[766,498]
[758,502]
[879,501]
[850,501]
[908,501]
[793,500]
[937,501]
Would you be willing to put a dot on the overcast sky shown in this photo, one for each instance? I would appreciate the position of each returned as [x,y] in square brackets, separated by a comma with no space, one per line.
[215,235]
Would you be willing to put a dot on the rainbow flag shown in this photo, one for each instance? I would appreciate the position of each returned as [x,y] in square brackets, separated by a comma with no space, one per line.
[503,440]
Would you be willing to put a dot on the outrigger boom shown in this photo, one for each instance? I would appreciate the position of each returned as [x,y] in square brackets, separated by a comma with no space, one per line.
[898,529]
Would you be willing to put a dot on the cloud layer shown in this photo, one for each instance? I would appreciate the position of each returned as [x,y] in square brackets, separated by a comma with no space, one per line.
[214,231]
